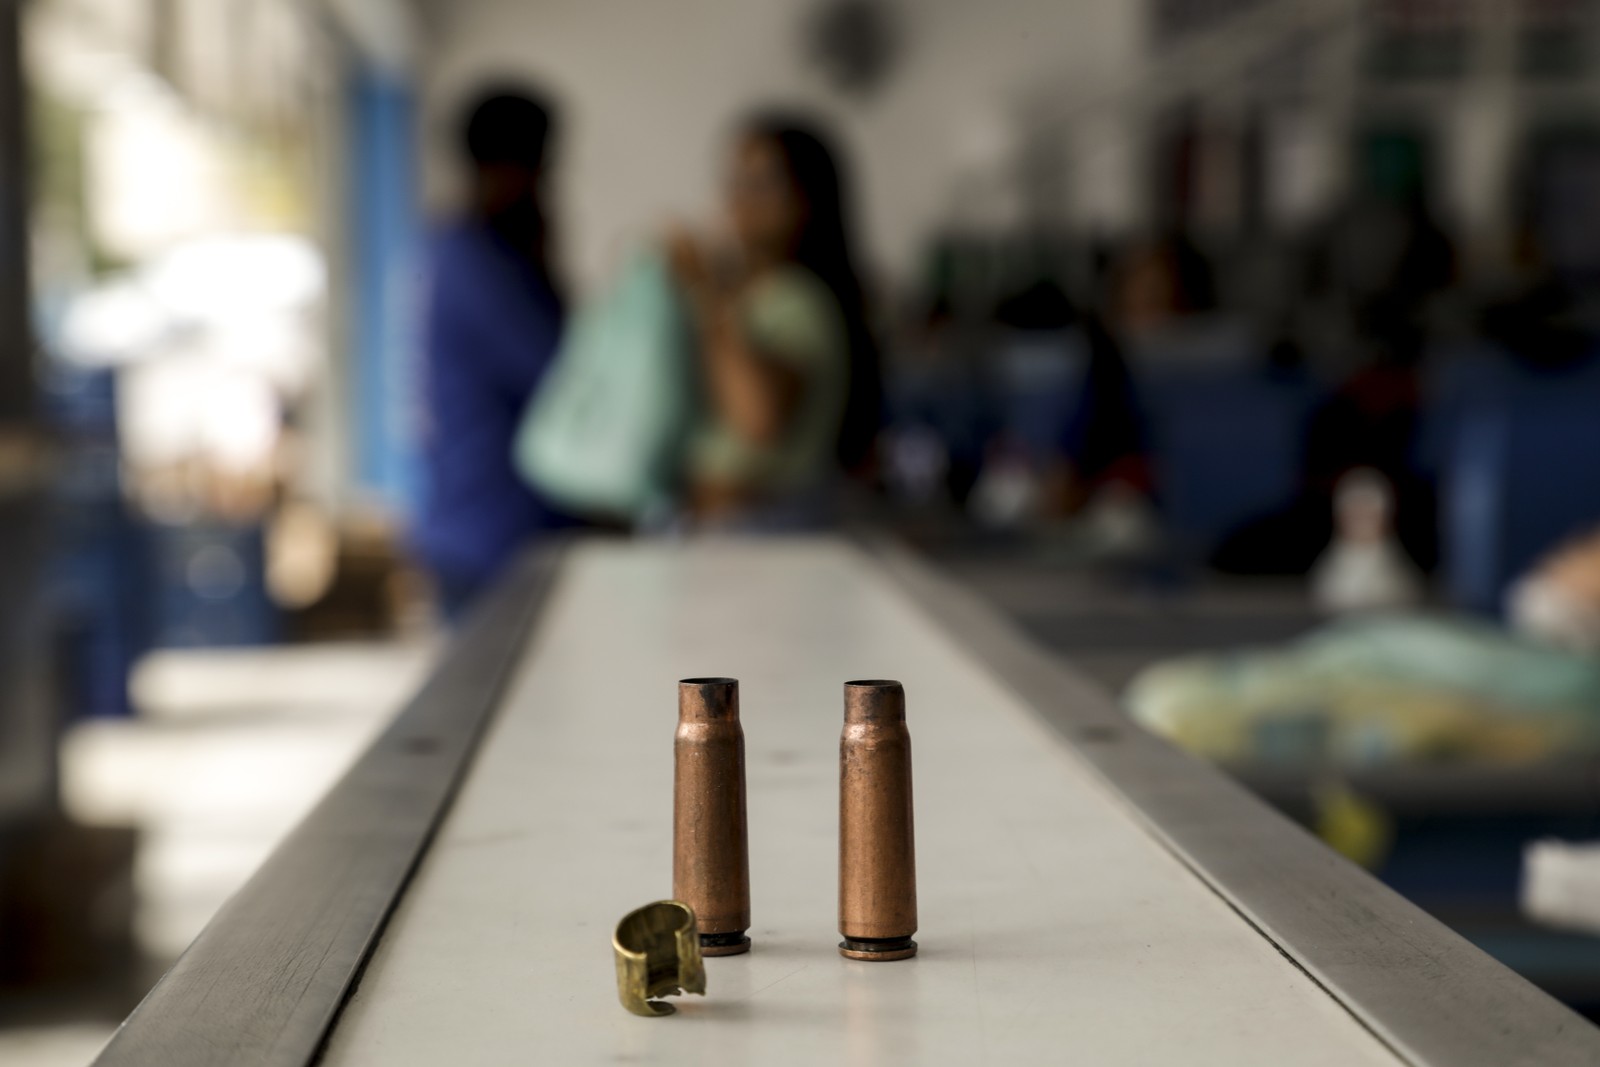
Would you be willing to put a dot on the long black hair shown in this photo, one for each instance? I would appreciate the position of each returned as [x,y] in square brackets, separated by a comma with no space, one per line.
[823,247]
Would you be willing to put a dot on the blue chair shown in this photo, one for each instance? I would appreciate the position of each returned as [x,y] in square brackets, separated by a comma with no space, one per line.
[1520,473]
[1227,447]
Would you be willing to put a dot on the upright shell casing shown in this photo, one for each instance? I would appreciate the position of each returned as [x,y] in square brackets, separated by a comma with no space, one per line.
[710,841]
[877,854]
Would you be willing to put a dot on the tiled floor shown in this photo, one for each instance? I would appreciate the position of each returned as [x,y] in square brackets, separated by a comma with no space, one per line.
[63,1045]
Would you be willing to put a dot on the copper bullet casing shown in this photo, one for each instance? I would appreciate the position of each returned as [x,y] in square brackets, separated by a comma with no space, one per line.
[710,837]
[877,855]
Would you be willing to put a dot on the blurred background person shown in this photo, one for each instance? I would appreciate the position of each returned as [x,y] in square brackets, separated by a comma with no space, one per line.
[492,322]
[792,394]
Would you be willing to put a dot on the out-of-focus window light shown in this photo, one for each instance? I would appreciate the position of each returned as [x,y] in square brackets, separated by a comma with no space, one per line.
[176,241]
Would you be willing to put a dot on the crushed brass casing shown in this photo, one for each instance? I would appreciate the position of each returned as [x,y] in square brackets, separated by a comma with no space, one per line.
[710,837]
[658,955]
[877,853]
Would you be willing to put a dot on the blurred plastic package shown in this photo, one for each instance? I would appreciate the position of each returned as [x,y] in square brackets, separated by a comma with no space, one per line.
[1561,884]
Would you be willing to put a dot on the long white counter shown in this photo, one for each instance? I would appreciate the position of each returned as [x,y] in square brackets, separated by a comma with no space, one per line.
[1061,920]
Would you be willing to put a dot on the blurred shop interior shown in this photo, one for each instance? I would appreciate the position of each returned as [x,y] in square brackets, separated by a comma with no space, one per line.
[1247,352]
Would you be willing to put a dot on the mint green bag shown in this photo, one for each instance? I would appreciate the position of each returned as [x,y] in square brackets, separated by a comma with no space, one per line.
[604,435]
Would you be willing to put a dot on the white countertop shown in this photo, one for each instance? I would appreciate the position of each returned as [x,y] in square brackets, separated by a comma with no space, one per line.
[1054,929]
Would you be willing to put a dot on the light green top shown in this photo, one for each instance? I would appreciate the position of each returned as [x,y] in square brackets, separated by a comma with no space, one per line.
[791,316]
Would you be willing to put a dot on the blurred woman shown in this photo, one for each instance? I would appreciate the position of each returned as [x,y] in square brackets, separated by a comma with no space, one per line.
[792,394]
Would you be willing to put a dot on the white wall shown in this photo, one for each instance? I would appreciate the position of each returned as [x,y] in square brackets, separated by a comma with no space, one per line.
[650,88]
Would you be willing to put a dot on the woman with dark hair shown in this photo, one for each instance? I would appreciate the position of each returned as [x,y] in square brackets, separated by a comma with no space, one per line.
[789,368]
